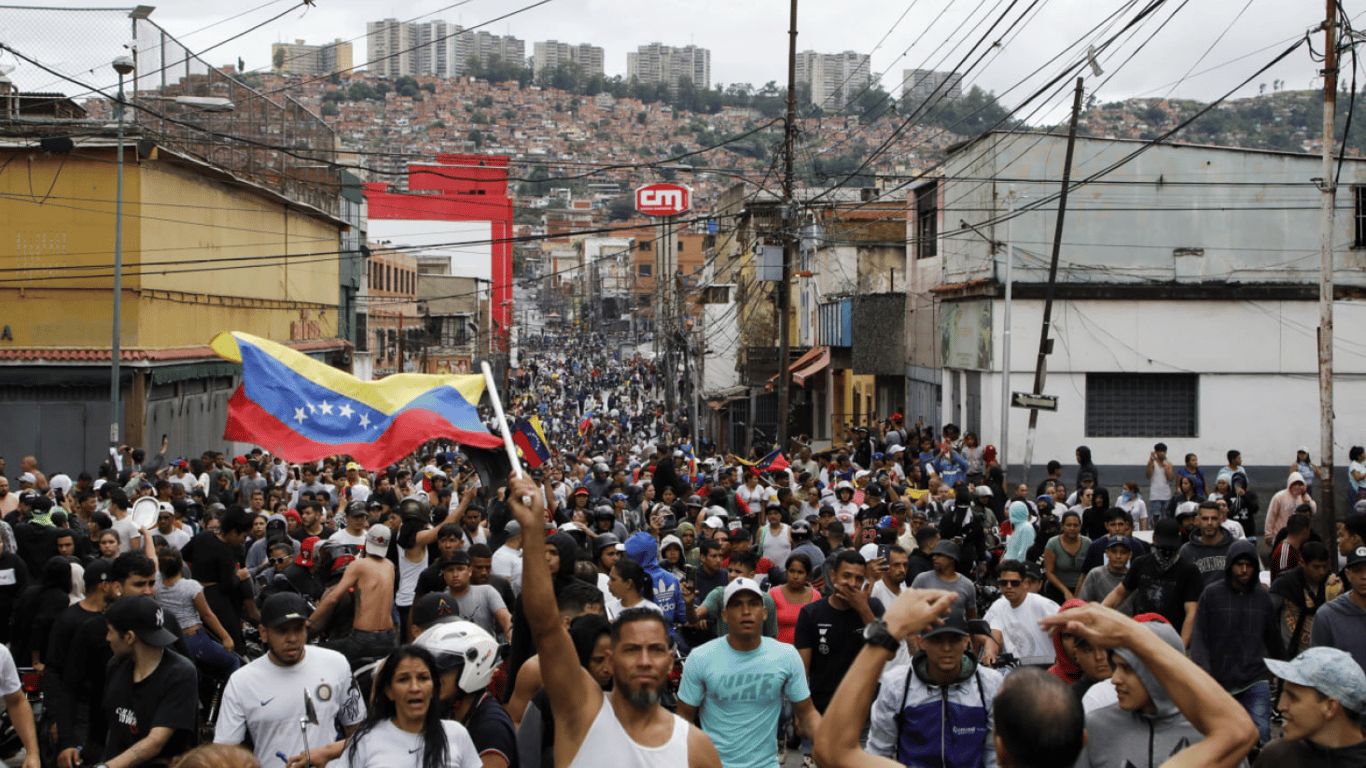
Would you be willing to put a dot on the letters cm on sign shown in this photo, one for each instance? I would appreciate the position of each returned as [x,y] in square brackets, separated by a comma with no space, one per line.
[663,199]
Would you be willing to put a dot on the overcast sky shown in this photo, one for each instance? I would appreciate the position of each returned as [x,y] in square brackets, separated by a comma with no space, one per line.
[748,39]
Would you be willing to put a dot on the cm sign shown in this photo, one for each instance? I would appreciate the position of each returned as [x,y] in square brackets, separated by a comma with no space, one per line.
[663,199]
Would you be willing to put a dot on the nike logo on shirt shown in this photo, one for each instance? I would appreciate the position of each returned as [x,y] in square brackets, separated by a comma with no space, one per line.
[267,701]
[414,749]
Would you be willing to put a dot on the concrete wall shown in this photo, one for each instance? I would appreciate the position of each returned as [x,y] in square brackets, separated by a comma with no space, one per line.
[1257,363]
[1176,212]
[189,245]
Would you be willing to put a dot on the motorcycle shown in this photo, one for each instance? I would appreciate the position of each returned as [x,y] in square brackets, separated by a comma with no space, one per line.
[30,683]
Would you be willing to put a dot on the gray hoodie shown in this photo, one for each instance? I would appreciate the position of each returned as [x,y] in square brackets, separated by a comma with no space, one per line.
[1119,739]
[1209,558]
[1341,624]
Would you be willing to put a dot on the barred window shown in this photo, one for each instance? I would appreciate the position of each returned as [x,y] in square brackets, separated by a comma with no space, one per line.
[1142,404]
[1359,217]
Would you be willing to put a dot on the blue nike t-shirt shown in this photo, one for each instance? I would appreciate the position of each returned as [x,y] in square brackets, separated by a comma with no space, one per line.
[740,696]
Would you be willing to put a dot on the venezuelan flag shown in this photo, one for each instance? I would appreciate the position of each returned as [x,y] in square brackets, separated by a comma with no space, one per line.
[302,409]
[529,437]
[774,461]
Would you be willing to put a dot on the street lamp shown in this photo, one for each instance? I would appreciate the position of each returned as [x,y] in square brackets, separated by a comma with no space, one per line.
[123,65]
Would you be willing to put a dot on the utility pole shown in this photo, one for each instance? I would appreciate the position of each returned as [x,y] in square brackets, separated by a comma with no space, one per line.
[1046,343]
[1005,338]
[789,225]
[1329,189]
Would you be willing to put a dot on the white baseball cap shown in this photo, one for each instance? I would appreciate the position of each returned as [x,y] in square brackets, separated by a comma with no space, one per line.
[742,584]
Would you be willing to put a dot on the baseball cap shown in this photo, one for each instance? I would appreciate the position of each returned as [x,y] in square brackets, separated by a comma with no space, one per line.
[1121,541]
[350,465]
[28,477]
[305,556]
[281,608]
[1034,571]
[434,608]
[97,572]
[458,557]
[954,624]
[143,617]
[714,522]
[742,584]
[1167,533]
[513,528]
[377,540]
[1330,671]
[1356,556]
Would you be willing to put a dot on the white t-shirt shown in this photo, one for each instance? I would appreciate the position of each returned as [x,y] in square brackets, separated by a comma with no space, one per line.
[614,607]
[127,531]
[388,747]
[1019,627]
[754,498]
[266,700]
[884,593]
[508,564]
[346,537]
[1098,696]
[178,537]
[9,676]
[1138,512]
[846,514]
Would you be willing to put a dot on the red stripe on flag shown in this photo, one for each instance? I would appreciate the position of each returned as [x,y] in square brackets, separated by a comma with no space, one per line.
[532,458]
[248,422]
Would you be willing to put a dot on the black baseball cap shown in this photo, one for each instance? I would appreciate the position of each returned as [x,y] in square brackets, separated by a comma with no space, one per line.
[954,624]
[142,616]
[282,608]
[1167,533]
[458,557]
[96,572]
[434,608]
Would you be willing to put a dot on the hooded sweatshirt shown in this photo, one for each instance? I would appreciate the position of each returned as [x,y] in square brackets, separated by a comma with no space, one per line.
[1065,669]
[1120,738]
[522,646]
[1341,624]
[1085,466]
[1211,559]
[1282,506]
[641,548]
[664,561]
[1022,533]
[1235,629]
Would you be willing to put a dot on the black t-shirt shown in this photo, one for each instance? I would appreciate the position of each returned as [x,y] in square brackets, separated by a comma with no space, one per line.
[834,637]
[491,729]
[212,561]
[164,699]
[1164,592]
[707,582]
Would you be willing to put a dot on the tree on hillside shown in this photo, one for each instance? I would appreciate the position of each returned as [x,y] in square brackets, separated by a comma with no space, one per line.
[278,58]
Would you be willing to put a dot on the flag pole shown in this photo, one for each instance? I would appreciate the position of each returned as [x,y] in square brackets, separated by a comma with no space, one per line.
[502,419]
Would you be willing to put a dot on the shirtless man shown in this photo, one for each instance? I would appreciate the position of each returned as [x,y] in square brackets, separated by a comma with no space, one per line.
[370,579]
[642,656]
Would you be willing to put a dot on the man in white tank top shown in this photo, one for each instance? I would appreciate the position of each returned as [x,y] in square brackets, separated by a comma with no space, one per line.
[627,727]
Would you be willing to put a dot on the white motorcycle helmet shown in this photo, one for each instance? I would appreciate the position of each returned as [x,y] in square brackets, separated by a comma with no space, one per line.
[464,646]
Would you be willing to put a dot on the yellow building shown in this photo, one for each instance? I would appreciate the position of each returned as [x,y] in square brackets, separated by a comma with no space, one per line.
[209,245]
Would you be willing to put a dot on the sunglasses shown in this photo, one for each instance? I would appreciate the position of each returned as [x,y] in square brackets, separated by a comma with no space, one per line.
[1009,582]
[278,560]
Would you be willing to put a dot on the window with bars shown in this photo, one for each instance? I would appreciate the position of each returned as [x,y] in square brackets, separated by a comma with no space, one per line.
[1142,404]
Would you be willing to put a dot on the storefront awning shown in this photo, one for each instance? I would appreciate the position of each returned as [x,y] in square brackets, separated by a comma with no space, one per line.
[812,368]
[814,360]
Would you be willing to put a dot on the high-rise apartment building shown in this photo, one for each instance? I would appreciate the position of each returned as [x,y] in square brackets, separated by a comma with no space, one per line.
[835,78]
[656,63]
[549,55]
[300,58]
[917,85]
[436,48]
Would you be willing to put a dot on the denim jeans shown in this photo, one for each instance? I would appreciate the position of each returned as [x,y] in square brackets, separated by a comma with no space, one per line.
[1157,510]
[207,651]
[1257,701]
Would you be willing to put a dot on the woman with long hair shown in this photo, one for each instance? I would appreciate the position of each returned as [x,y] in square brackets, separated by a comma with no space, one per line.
[404,728]
[184,599]
[794,593]
[630,588]
[1063,557]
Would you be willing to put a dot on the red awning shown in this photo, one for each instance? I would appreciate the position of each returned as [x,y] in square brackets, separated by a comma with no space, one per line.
[814,360]
[812,368]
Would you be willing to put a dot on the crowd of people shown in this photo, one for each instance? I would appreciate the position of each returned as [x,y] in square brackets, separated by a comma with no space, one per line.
[638,598]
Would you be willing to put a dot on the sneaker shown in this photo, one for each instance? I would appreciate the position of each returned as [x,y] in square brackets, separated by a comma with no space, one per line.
[808,762]
[782,750]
